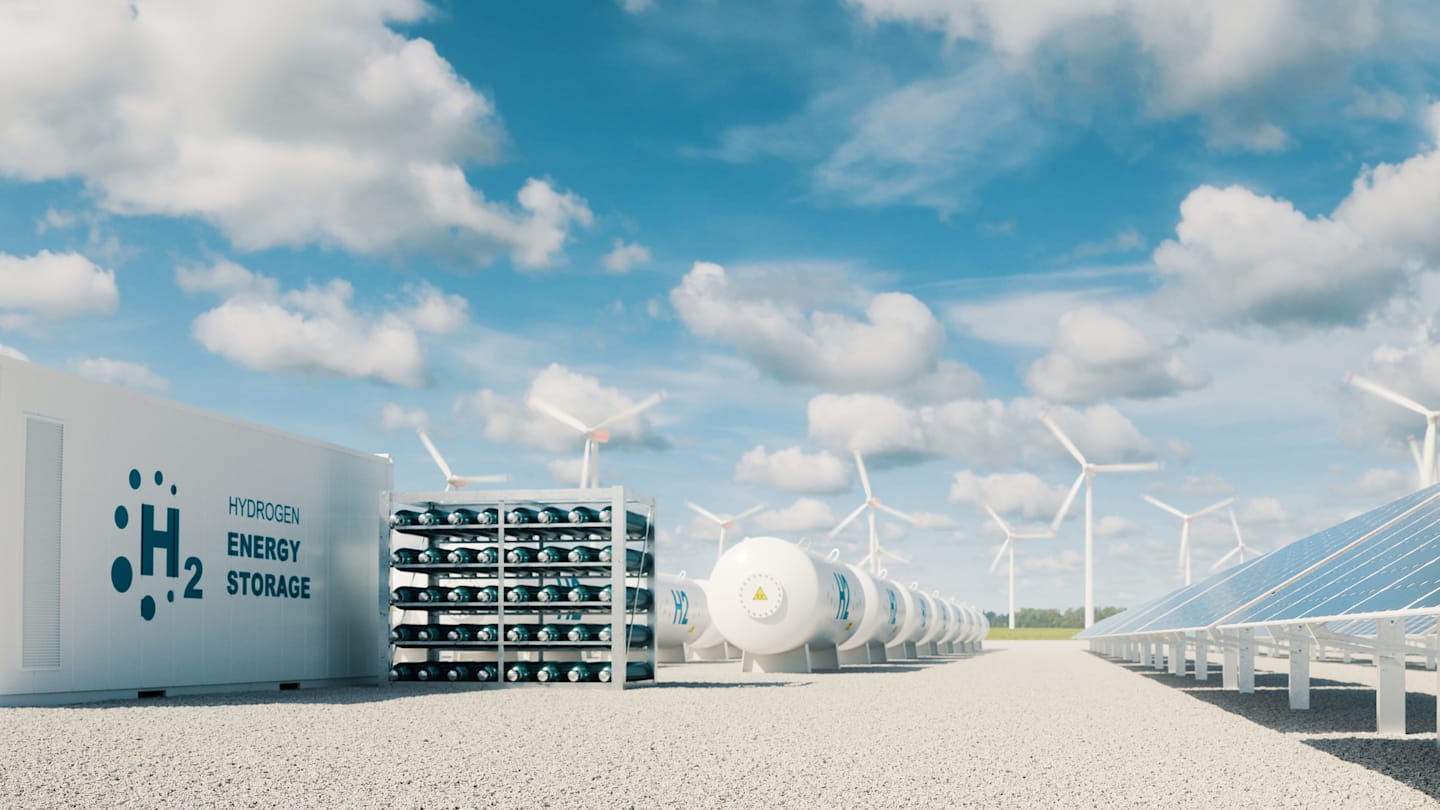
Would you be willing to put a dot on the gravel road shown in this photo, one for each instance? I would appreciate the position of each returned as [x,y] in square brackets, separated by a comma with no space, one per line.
[1025,724]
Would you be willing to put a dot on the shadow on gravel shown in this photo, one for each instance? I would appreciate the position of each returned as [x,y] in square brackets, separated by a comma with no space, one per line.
[1409,761]
[726,685]
[1335,706]
[849,669]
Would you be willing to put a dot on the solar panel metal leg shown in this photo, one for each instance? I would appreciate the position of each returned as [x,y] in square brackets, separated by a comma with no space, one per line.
[1300,669]
[1202,658]
[1177,654]
[1246,637]
[1230,663]
[1157,657]
[1390,687]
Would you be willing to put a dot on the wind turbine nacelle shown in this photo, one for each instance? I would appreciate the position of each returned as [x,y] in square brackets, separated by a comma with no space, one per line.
[682,614]
[885,613]
[771,596]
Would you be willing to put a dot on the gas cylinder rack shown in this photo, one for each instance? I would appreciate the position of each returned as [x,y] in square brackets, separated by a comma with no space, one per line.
[522,587]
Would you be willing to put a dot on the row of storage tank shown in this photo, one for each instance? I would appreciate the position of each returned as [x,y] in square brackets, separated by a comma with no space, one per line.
[783,608]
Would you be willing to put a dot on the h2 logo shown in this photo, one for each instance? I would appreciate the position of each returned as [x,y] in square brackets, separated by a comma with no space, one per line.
[893,606]
[682,607]
[842,585]
[154,539]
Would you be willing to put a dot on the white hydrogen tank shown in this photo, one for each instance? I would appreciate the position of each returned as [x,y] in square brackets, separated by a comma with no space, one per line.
[939,624]
[884,615]
[915,624]
[682,616]
[710,644]
[785,606]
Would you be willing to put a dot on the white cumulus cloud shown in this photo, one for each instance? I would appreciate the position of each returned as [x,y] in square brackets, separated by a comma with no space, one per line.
[625,256]
[1020,493]
[582,396]
[396,417]
[53,286]
[120,372]
[793,470]
[1098,356]
[283,124]
[992,433]
[317,330]
[897,341]
[804,515]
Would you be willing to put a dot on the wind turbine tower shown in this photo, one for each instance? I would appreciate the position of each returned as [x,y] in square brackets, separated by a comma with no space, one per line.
[1186,519]
[872,503]
[595,435]
[1426,461]
[452,480]
[1240,547]
[1087,476]
[1009,546]
[725,523]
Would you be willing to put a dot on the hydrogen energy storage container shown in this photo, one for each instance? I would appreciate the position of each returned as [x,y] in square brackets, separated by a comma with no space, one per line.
[915,624]
[155,548]
[682,616]
[884,615]
[710,644]
[784,606]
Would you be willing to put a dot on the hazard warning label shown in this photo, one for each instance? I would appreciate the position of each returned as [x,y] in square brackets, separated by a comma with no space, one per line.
[759,595]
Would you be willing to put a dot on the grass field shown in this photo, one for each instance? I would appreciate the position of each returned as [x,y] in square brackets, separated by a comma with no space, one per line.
[1032,633]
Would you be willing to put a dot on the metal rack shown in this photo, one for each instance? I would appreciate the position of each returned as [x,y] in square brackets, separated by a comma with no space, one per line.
[629,651]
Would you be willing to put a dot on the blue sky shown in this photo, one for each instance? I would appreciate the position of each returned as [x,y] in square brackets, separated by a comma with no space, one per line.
[906,227]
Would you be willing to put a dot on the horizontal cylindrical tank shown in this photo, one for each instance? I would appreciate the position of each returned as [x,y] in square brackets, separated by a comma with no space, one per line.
[681,612]
[709,635]
[959,623]
[935,622]
[771,596]
[884,611]
[941,620]
[917,614]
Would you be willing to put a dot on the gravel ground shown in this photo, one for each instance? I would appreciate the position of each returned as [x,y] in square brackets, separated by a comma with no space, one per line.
[1026,724]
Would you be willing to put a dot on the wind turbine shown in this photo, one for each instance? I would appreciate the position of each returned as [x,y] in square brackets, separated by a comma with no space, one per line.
[1187,518]
[872,503]
[725,523]
[1426,461]
[451,479]
[1010,537]
[1087,476]
[1240,547]
[595,435]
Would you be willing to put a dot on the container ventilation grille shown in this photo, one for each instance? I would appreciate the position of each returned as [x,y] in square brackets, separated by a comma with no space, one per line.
[40,605]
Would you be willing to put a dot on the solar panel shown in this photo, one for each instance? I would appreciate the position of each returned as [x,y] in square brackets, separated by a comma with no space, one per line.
[1266,580]
[1364,572]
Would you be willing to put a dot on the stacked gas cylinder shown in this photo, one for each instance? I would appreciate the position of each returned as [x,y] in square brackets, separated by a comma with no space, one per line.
[783,608]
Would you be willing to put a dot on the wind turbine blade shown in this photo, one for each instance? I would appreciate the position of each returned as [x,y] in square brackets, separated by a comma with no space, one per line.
[747,513]
[481,479]
[1065,440]
[864,479]
[1143,466]
[435,454]
[1385,393]
[898,556]
[1222,560]
[705,512]
[1428,455]
[555,413]
[1235,524]
[996,517]
[1001,555]
[1211,508]
[1150,499]
[850,518]
[1065,505]
[649,402]
[897,513]
[1035,536]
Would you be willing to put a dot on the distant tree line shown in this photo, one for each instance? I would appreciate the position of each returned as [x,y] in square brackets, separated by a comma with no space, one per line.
[1050,617]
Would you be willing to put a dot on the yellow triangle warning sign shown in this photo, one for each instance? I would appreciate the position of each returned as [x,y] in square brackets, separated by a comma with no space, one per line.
[759,595]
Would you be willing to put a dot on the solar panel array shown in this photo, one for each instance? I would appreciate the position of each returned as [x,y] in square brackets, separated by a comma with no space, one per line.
[1386,561]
